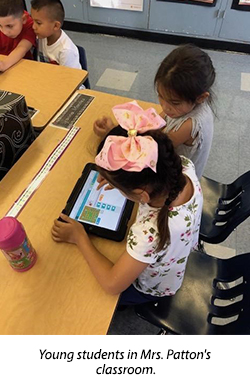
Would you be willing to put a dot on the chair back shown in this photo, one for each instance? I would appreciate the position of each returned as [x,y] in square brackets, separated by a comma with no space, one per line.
[83,62]
[225,207]
[203,305]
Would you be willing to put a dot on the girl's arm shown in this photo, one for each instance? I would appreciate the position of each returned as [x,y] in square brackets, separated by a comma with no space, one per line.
[16,55]
[114,278]
[182,135]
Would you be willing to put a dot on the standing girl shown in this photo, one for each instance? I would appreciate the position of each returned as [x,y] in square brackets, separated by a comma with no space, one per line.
[183,83]
[146,169]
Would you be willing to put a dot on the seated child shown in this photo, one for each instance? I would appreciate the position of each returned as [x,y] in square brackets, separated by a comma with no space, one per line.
[16,34]
[54,46]
[142,164]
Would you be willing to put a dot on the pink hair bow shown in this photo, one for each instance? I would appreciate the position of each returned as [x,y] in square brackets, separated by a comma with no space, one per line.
[133,153]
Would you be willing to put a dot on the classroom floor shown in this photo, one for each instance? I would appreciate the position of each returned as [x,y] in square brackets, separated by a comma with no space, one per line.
[126,67]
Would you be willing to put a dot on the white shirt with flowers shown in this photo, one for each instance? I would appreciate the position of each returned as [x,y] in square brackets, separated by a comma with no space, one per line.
[165,271]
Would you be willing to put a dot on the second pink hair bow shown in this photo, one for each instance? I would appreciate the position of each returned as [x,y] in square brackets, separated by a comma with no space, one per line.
[133,153]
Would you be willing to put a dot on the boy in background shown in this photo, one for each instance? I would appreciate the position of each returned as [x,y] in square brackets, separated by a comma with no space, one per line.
[16,34]
[54,46]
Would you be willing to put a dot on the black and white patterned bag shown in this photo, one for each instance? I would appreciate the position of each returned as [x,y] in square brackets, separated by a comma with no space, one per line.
[16,131]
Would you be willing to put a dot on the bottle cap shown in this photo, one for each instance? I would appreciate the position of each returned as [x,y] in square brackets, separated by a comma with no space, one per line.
[12,233]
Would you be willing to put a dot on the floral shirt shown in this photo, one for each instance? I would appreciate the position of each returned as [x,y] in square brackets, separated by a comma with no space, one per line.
[165,270]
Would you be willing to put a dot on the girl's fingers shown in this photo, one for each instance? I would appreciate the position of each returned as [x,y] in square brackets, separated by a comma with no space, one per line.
[55,232]
[57,228]
[101,184]
[99,178]
[57,239]
[56,224]
[108,187]
[65,217]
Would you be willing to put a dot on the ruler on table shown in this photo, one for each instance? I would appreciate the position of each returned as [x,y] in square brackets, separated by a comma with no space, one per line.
[42,173]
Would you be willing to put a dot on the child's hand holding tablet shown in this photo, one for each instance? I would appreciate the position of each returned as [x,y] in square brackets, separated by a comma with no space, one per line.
[70,230]
[101,212]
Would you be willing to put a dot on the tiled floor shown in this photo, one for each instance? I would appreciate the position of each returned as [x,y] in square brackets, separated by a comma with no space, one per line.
[245,82]
[223,252]
[116,79]
[127,67]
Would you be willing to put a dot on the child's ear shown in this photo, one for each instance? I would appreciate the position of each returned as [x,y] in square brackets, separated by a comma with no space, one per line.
[24,18]
[57,25]
[143,196]
[202,97]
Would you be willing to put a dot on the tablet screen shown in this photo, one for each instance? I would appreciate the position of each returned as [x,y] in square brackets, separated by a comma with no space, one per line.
[98,207]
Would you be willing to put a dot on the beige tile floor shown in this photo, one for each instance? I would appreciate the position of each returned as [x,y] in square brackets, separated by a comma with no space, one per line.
[220,251]
[245,82]
[116,79]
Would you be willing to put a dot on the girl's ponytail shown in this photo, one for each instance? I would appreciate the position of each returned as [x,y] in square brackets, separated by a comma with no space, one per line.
[169,168]
[162,224]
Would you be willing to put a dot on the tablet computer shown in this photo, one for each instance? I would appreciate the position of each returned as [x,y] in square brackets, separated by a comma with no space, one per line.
[104,213]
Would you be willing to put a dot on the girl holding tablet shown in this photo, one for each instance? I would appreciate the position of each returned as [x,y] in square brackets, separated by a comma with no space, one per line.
[143,165]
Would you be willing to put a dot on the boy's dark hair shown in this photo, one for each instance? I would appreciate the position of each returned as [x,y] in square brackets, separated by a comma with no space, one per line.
[55,8]
[11,8]
[187,72]
[168,179]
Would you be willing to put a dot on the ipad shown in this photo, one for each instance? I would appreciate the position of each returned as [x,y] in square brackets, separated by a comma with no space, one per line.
[104,213]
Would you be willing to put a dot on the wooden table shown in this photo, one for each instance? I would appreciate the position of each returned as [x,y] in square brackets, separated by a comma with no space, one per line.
[59,295]
[38,81]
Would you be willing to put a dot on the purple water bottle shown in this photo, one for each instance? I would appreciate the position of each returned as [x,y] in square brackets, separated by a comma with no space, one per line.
[15,245]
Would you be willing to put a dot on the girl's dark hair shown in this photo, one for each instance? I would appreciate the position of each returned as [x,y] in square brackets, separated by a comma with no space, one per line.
[168,178]
[188,72]
[11,8]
